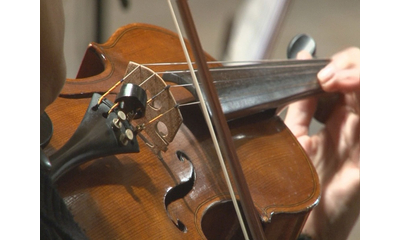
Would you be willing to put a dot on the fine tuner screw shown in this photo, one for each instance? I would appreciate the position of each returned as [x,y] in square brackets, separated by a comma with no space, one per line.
[126,137]
[117,121]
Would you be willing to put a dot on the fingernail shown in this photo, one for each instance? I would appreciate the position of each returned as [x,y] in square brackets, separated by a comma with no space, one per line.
[325,74]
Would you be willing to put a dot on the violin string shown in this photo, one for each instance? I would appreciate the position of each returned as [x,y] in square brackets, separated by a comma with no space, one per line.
[162,114]
[157,94]
[219,81]
[303,63]
[238,63]
[209,123]
[261,67]
[243,79]
[238,68]
[108,91]
[189,104]
[113,107]
[298,63]
[143,82]
[235,68]
[115,86]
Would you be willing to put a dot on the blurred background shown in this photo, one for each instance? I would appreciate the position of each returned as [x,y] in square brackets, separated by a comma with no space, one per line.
[334,25]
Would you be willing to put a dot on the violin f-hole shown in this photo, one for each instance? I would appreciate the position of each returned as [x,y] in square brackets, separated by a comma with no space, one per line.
[180,190]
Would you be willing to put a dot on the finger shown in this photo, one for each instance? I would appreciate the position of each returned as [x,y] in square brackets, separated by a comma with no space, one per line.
[299,116]
[343,80]
[342,71]
[347,58]
[303,55]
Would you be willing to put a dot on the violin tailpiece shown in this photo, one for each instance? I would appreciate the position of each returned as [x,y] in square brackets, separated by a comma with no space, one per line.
[99,134]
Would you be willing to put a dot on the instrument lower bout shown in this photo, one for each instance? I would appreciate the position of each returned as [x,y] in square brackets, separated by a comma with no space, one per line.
[123,196]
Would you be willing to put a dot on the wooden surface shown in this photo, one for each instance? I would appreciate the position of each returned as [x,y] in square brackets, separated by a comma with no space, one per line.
[122,196]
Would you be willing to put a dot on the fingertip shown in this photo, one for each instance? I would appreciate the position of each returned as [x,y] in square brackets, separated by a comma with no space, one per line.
[303,55]
[342,81]
[325,74]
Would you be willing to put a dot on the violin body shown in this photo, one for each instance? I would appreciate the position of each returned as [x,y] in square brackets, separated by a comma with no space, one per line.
[179,193]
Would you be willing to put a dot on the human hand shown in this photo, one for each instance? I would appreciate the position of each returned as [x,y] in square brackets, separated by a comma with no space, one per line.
[335,149]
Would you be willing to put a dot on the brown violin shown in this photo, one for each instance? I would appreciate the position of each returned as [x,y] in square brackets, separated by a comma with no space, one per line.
[132,157]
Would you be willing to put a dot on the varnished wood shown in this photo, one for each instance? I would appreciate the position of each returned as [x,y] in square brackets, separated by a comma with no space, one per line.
[104,64]
[121,197]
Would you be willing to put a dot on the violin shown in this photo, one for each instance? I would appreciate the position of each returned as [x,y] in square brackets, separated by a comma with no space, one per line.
[163,179]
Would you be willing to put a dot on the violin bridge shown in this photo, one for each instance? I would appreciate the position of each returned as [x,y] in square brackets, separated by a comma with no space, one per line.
[162,118]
